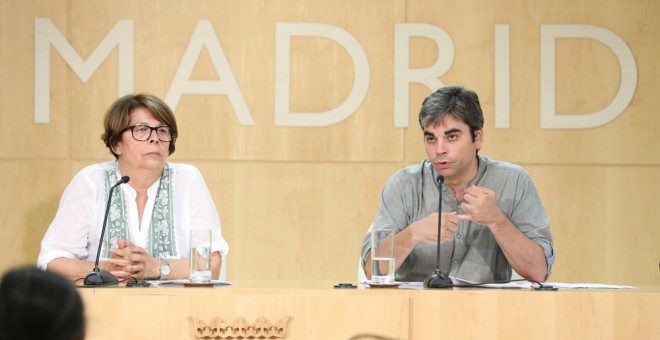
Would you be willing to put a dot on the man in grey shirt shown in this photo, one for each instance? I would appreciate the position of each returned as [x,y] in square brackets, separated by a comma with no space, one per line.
[492,217]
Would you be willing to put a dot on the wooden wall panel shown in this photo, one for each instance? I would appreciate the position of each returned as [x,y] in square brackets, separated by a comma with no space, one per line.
[20,137]
[634,237]
[30,195]
[573,198]
[603,230]
[289,222]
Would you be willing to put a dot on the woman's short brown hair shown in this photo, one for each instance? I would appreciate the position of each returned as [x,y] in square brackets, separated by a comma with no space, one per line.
[118,117]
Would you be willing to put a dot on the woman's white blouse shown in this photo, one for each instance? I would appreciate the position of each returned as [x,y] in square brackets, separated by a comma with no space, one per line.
[76,228]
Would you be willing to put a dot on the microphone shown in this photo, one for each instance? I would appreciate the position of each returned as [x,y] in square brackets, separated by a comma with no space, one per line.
[100,277]
[438,279]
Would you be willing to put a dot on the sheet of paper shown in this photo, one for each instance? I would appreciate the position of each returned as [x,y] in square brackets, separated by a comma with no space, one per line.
[586,285]
[179,283]
[511,284]
[527,285]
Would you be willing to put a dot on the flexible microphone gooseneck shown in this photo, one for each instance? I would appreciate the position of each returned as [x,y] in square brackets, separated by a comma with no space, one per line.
[438,279]
[100,277]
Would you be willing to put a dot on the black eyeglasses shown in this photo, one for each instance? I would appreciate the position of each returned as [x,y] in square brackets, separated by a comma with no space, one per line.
[143,132]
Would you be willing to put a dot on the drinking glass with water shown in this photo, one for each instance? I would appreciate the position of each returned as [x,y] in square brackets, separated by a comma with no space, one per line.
[382,255]
[200,255]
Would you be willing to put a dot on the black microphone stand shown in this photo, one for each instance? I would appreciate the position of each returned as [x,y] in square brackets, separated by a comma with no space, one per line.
[438,279]
[100,277]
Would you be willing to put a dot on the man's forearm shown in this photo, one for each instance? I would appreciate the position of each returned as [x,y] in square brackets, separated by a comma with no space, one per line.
[525,256]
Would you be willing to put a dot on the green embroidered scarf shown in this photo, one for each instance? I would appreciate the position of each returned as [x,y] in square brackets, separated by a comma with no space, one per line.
[161,239]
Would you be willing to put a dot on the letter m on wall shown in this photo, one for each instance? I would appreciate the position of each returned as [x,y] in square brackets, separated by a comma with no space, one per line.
[46,34]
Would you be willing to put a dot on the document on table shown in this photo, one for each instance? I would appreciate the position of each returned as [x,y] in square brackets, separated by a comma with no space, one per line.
[527,285]
[181,283]
[511,284]
[586,285]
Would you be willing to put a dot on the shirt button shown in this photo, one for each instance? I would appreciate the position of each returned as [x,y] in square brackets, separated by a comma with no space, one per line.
[455,262]
[458,236]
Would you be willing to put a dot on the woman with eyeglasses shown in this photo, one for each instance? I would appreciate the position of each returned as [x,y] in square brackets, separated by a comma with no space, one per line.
[149,218]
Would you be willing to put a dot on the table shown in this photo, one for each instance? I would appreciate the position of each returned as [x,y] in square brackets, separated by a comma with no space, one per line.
[318,311]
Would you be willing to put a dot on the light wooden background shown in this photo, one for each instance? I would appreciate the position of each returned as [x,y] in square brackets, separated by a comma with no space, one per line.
[295,202]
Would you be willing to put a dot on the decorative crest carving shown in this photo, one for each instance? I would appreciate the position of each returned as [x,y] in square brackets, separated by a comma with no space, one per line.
[240,328]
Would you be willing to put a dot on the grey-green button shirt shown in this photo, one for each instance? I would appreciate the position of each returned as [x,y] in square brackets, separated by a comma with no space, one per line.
[411,194]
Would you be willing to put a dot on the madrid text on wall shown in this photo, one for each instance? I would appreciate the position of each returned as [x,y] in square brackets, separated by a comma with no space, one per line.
[121,37]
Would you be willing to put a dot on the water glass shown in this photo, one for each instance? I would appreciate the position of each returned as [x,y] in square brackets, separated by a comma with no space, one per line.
[382,255]
[201,241]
